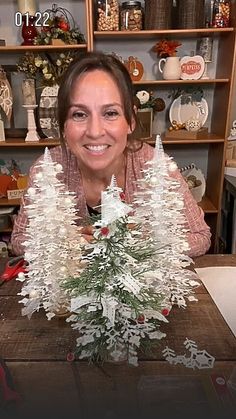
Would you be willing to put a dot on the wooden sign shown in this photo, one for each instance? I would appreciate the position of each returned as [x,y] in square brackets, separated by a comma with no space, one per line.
[183,134]
[192,68]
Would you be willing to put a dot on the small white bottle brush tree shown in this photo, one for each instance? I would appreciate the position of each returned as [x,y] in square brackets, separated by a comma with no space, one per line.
[52,241]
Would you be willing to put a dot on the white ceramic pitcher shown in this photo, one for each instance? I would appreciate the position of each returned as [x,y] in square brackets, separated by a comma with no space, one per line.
[171,69]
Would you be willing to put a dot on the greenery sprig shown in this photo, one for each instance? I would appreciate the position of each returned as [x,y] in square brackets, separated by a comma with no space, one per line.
[188,94]
[60,25]
[47,68]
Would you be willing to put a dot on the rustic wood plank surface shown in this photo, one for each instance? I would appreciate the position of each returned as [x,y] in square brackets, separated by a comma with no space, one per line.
[35,351]
[39,338]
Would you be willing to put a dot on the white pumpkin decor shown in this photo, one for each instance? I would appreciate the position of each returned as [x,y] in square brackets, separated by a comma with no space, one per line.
[192,68]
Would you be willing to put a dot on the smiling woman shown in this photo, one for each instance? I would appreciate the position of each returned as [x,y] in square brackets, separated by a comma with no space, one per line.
[96,115]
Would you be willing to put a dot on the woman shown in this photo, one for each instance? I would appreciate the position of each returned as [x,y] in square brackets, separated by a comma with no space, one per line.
[96,114]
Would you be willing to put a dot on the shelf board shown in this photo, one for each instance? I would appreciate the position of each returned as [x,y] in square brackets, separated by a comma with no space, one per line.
[207,206]
[6,230]
[210,138]
[201,81]
[153,33]
[24,48]
[20,142]
[4,202]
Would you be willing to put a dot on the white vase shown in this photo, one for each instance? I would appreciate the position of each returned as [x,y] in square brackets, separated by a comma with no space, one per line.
[171,70]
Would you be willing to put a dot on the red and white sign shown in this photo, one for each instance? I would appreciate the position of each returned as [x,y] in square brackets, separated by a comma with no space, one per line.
[192,68]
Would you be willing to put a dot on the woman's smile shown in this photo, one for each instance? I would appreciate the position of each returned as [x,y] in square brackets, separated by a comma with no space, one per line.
[97,149]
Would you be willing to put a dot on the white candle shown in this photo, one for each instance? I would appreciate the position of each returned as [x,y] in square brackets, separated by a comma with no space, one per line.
[25,6]
[28,90]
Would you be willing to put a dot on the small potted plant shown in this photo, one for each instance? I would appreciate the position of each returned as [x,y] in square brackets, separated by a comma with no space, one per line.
[167,51]
[165,48]
[147,104]
[146,100]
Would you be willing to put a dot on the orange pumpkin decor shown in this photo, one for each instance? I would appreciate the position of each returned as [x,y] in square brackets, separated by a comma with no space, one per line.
[135,68]
[12,185]
[5,180]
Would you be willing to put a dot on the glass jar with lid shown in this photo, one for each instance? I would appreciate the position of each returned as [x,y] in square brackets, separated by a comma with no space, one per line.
[221,14]
[131,16]
[107,15]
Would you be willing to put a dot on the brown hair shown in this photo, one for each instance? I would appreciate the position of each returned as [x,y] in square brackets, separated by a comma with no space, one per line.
[90,61]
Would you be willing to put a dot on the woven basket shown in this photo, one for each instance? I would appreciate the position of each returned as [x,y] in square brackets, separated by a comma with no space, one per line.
[158,14]
[190,14]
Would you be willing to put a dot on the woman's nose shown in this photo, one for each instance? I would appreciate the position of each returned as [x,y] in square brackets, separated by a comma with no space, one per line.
[95,126]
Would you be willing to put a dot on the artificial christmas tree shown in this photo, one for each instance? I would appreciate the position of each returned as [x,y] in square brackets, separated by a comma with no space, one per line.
[114,308]
[52,245]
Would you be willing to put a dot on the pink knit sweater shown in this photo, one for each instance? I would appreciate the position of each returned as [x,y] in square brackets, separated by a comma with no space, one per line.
[198,235]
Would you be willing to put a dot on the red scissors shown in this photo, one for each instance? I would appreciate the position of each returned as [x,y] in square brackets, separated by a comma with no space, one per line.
[13,267]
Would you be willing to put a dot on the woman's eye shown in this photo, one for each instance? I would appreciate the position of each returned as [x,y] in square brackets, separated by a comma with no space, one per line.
[79,116]
[112,114]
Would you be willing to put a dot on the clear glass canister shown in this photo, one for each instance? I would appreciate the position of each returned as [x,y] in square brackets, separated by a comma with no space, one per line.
[107,15]
[221,14]
[131,16]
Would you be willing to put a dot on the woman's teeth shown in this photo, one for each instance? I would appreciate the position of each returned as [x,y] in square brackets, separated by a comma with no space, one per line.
[97,148]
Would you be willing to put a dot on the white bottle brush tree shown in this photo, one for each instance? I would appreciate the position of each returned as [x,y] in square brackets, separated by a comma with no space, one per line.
[159,210]
[52,241]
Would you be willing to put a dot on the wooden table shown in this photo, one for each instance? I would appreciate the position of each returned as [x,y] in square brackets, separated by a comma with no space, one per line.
[35,351]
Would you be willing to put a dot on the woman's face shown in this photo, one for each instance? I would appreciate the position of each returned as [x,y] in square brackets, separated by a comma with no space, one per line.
[96,129]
